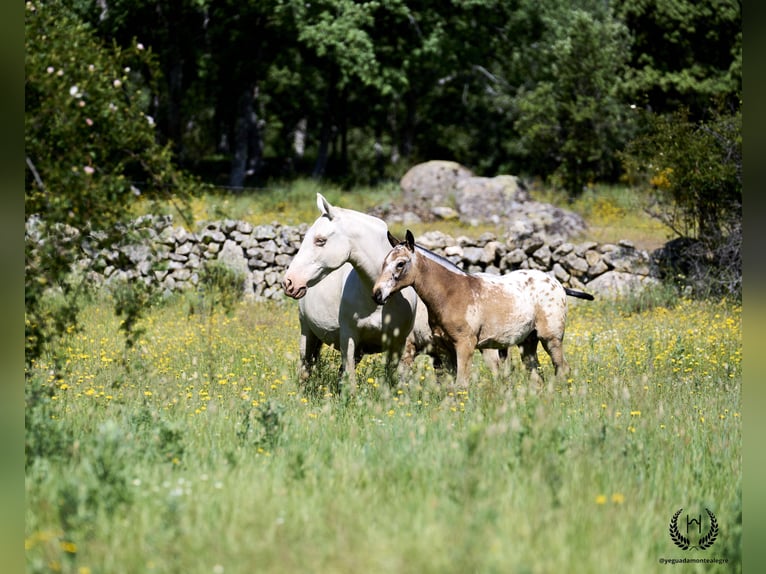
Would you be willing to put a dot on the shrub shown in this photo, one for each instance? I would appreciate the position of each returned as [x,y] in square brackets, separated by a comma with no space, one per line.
[695,172]
[90,151]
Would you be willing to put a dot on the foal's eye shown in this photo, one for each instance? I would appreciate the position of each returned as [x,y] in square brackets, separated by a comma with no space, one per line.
[399,265]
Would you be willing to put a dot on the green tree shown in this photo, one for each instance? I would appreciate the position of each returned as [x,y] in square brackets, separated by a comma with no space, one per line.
[90,149]
[695,171]
[686,53]
[571,119]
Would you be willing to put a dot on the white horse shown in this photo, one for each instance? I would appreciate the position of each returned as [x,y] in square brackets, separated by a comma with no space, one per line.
[468,312]
[332,275]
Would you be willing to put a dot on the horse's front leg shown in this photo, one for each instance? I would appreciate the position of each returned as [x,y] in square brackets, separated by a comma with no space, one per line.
[348,352]
[309,346]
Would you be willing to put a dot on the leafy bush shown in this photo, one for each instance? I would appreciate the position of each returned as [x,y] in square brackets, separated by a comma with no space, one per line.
[695,172]
[90,151]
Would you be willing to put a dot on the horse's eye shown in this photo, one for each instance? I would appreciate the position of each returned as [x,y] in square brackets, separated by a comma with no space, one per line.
[399,265]
[320,241]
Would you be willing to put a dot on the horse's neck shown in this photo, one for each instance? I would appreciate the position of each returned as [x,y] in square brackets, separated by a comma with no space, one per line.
[370,249]
[437,285]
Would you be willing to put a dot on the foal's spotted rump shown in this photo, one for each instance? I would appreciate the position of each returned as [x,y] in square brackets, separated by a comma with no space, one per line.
[517,304]
[471,311]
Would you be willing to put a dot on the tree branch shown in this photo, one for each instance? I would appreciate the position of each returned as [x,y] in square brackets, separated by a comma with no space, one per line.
[35,174]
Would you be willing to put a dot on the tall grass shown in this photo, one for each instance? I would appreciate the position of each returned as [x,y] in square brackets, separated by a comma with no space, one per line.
[196,450]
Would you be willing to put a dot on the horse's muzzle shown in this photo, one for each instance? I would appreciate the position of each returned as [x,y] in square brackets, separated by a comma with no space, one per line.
[292,290]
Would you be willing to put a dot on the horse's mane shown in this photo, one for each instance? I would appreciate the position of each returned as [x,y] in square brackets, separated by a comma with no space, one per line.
[443,261]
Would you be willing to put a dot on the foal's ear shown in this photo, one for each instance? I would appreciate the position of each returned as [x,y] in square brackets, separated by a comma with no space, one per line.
[410,240]
[392,240]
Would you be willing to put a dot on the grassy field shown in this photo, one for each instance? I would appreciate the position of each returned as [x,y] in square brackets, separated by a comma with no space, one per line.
[197,451]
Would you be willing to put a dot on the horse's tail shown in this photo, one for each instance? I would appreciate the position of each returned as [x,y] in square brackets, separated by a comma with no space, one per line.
[578,294]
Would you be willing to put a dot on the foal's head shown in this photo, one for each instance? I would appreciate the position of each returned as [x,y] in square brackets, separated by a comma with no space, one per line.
[397,272]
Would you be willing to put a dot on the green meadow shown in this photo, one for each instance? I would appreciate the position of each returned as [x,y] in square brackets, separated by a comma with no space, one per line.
[195,449]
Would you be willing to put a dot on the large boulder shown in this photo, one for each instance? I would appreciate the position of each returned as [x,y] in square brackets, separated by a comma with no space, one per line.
[433,181]
[543,219]
[488,199]
[615,284]
[443,190]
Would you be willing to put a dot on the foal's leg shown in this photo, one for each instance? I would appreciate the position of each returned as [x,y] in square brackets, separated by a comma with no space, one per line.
[409,351]
[492,360]
[464,350]
[396,367]
[555,348]
[528,349]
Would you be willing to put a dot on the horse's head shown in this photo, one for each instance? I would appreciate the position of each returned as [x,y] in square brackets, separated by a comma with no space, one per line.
[397,272]
[325,247]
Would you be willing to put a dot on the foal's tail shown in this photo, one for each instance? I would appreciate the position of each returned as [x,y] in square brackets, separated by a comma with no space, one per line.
[578,294]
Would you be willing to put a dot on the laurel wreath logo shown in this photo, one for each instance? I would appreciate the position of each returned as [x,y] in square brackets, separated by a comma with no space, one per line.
[678,539]
[683,542]
[707,540]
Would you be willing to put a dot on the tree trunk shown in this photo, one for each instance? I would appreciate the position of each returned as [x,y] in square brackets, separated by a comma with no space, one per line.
[247,144]
[326,131]
[408,132]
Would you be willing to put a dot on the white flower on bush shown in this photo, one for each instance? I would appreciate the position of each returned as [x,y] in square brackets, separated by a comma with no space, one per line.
[74,91]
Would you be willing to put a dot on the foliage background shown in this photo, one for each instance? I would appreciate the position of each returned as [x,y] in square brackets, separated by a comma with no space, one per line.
[541,88]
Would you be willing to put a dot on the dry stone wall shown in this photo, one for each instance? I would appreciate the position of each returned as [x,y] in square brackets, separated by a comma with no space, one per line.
[170,257]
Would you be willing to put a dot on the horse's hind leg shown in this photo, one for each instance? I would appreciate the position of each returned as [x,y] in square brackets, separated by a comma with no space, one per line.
[528,348]
[555,348]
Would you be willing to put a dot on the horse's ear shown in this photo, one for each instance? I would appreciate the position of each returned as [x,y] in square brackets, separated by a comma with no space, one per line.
[410,240]
[392,240]
[324,206]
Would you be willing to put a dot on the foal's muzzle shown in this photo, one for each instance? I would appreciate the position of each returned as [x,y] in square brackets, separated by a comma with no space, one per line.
[377,296]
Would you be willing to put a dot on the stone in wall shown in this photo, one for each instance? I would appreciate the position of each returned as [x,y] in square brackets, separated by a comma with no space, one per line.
[170,257]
